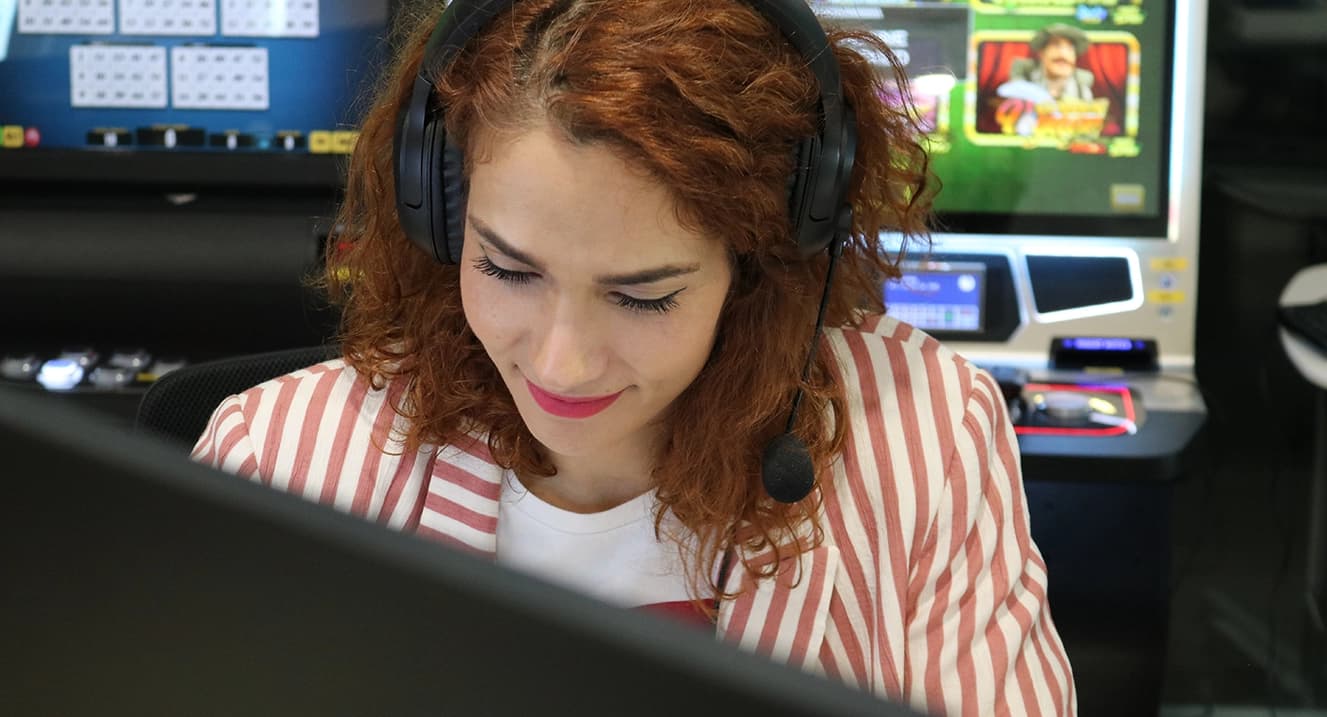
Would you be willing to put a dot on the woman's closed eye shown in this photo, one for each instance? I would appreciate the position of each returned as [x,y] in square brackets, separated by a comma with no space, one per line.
[660,305]
[486,266]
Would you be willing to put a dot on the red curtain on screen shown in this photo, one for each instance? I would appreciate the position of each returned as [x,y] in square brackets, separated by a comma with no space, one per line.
[1108,62]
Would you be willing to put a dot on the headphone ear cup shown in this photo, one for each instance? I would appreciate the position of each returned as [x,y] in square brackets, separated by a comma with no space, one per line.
[805,156]
[452,202]
[428,230]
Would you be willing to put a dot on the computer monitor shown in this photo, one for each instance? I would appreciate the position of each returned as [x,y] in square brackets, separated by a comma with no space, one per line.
[1041,116]
[940,296]
[185,92]
[1067,136]
[138,583]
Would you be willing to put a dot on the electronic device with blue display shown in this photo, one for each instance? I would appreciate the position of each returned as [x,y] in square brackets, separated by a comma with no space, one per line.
[214,92]
[943,298]
[1104,352]
[166,160]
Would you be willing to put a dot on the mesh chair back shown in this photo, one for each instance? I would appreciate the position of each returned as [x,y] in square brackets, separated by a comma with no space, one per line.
[178,405]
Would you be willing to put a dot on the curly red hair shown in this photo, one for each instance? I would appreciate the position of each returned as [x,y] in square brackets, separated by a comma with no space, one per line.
[706,96]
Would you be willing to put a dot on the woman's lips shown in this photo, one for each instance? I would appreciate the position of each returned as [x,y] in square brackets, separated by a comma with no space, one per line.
[570,406]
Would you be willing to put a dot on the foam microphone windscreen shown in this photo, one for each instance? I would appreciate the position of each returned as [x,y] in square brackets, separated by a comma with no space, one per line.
[786,469]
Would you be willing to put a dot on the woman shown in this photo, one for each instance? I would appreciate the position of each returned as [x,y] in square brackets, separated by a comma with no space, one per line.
[590,390]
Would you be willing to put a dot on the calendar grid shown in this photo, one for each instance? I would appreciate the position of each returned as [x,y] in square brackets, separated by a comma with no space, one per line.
[117,76]
[196,18]
[52,17]
[219,78]
[269,18]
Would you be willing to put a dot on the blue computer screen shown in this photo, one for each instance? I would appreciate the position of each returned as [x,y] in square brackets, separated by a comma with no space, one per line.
[939,296]
[185,75]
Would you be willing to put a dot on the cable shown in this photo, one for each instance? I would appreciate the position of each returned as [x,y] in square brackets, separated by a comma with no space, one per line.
[835,251]
[1222,423]
[786,469]
[1204,468]
[1264,394]
[1184,565]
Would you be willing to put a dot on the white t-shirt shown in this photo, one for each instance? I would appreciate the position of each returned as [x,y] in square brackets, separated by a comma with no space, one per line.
[612,555]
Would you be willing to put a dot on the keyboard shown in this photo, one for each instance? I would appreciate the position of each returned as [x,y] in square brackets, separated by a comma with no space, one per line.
[1307,321]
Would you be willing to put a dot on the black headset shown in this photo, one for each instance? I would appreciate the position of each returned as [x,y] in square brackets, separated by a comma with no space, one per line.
[430,188]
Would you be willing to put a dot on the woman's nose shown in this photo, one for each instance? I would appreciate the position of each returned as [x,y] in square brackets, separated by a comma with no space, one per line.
[569,356]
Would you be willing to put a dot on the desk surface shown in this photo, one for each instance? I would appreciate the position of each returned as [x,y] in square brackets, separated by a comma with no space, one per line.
[1307,286]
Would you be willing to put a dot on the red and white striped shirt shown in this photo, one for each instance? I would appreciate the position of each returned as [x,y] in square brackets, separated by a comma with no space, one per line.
[927,589]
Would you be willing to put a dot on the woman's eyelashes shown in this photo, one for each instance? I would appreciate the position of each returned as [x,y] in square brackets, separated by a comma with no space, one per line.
[655,306]
[486,266]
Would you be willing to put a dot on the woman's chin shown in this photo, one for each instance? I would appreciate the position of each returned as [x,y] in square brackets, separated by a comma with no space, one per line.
[561,436]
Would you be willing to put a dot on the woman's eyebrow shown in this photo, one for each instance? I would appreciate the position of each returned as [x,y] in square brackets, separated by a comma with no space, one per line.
[501,244]
[645,276]
[648,275]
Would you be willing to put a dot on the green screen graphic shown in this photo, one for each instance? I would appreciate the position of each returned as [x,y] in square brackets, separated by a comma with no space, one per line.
[1035,108]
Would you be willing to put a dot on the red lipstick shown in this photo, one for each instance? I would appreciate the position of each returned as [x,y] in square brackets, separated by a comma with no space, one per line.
[570,406]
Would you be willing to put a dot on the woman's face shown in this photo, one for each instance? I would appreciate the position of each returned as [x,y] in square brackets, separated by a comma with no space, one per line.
[597,307]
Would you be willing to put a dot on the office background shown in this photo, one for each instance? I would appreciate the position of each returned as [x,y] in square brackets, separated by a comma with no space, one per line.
[105,264]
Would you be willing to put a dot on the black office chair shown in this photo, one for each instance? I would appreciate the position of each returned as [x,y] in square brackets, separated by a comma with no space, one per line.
[178,405]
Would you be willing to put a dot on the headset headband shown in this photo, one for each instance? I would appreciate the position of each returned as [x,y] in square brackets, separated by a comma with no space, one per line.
[820,183]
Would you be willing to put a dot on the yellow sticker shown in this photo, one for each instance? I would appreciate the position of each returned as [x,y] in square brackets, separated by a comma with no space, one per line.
[1170,263]
[320,141]
[1161,296]
[343,142]
[11,137]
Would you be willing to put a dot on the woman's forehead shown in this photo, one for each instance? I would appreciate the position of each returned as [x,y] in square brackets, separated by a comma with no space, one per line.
[538,191]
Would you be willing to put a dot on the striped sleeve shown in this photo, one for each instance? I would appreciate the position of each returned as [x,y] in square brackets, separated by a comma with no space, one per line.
[980,636]
[324,435]
[225,443]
